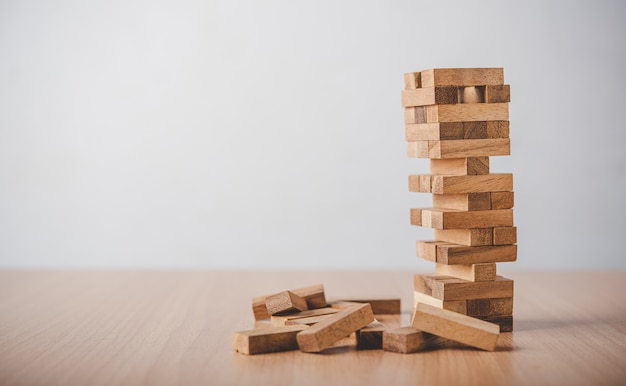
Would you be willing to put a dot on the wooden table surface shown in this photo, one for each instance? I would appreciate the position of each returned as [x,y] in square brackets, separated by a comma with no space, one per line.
[164,328]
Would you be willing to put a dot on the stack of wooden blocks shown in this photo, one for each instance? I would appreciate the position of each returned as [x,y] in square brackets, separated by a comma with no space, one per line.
[459,118]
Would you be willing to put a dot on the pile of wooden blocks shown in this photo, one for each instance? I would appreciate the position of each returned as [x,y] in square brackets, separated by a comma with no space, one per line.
[459,118]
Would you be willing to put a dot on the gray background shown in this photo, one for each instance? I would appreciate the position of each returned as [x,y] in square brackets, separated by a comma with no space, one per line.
[270,134]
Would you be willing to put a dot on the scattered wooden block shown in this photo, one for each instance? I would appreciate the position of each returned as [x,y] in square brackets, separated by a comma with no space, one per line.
[469,237]
[408,340]
[412,80]
[502,200]
[453,219]
[460,328]
[314,296]
[461,184]
[459,306]
[449,288]
[309,321]
[282,320]
[463,201]
[267,340]
[454,130]
[466,112]
[429,96]
[389,306]
[459,148]
[469,272]
[370,337]
[460,166]
[323,334]
[462,77]
[285,302]
[504,235]
[489,307]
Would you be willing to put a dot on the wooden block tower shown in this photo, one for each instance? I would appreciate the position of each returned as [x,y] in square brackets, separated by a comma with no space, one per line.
[459,118]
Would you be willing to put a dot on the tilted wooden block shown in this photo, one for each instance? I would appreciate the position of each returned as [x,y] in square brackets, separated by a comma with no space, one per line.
[460,328]
[266,340]
[450,288]
[282,320]
[462,77]
[463,201]
[314,296]
[461,184]
[434,131]
[469,237]
[459,148]
[502,200]
[285,302]
[469,272]
[412,80]
[452,254]
[406,340]
[489,307]
[459,306]
[504,235]
[370,337]
[466,112]
[453,219]
[323,334]
[430,96]
[472,166]
[379,306]
[308,321]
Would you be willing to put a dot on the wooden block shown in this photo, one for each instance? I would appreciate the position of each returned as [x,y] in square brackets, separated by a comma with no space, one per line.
[323,334]
[266,340]
[314,296]
[420,183]
[427,250]
[502,200]
[469,237]
[389,306]
[282,320]
[412,80]
[504,235]
[406,340]
[311,320]
[370,337]
[415,115]
[504,321]
[429,96]
[469,272]
[453,254]
[453,130]
[460,166]
[449,288]
[459,148]
[471,94]
[451,325]
[498,129]
[459,306]
[284,303]
[497,93]
[467,112]
[463,201]
[454,219]
[472,184]
[462,77]
[480,308]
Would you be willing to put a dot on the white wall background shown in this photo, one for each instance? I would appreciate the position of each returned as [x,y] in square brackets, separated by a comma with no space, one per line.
[265,134]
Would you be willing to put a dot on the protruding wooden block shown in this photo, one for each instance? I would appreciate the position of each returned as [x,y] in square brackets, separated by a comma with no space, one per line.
[415,115]
[323,334]
[480,308]
[461,254]
[449,288]
[266,340]
[459,148]
[459,306]
[463,201]
[453,219]
[469,272]
[408,340]
[460,328]
[462,77]
[498,93]
[285,302]
[370,337]
[281,320]
[460,166]
[461,184]
[502,200]
[412,80]
[314,296]
[429,96]
[466,112]
[504,235]
[388,306]
[453,130]
[469,237]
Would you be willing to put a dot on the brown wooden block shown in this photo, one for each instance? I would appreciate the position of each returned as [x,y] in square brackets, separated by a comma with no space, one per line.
[460,328]
[472,184]
[461,254]
[460,166]
[459,148]
[434,131]
[389,306]
[406,340]
[427,250]
[429,96]
[467,112]
[459,306]
[284,303]
[504,235]
[471,94]
[417,149]
[415,115]
[266,340]
[489,307]
[420,183]
[370,337]
[314,296]
[498,129]
[463,201]
[311,320]
[469,272]
[282,320]
[449,288]
[454,219]
[412,80]
[323,334]
[469,237]
[502,200]
[497,93]
[462,77]
[504,321]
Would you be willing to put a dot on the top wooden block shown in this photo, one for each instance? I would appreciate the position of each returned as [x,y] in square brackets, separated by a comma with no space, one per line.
[461,77]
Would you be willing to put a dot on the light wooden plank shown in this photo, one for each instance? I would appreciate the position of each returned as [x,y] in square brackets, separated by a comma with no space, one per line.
[467,112]
[284,303]
[406,340]
[463,201]
[469,237]
[429,96]
[282,320]
[266,340]
[314,296]
[469,272]
[453,219]
[449,288]
[460,166]
[462,77]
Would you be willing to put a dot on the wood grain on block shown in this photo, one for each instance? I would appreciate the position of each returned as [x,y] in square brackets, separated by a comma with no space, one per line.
[498,129]
[504,321]
[453,254]
[429,96]
[267,340]
[460,328]
[472,184]
[281,320]
[314,296]
[456,130]
[450,288]
[412,80]
[469,237]
[459,306]
[469,272]
[459,148]
[455,219]
[323,334]
[420,183]
[415,115]
[460,166]
[497,93]
[311,320]
[427,250]
[380,306]
[462,77]
[489,307]
[417,149]
[285,302]
[463,201]
[504,235]
[467,112]
[370,337]
[502,200]
[406,340]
